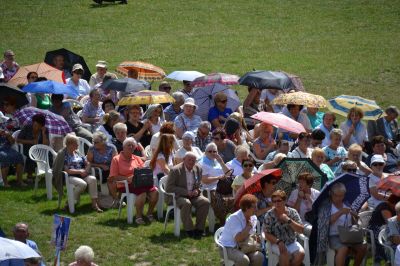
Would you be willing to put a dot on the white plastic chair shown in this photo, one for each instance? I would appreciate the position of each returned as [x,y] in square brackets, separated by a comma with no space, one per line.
[70,193]
[174,207]
[227,262]
[96,171]
[365,217]
[130,201]
[19,147]
[211,214]
[40,154]
[160,202]
[382,239]
[273,258]
[82,144]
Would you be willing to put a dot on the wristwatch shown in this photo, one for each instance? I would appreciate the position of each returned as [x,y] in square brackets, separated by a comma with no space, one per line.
[289,221]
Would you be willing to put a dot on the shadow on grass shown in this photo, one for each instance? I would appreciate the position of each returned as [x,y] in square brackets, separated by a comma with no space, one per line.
[119,223]
[105,4]
[79,210]
[167,237]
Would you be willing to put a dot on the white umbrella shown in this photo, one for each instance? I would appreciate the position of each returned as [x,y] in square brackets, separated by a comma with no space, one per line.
[185,75]
[204,98]
[12,249]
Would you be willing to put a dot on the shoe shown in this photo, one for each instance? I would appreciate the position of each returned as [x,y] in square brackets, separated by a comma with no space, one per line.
[199,233]
[190,233]
[140,221]
[150,218]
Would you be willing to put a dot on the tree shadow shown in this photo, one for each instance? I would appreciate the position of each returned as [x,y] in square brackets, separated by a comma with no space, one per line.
[117,222]
[105,4]
[79,210]
[166,238]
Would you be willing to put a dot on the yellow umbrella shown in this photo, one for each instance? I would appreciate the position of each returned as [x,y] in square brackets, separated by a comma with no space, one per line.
[301,98]
[146,97]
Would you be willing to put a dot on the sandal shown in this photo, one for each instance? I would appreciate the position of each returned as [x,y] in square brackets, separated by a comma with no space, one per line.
[97,209]
[140,220]
[150,217]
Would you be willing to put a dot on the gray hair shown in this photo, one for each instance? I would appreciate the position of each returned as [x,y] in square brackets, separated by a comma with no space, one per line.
[190,154]
[178,96]
[129,140]
[338,187]
[240,149]
[205,124]
[120,127]
[71,138]
[210,146]
[98,135]
[392,109]
[336,132]
[84,253]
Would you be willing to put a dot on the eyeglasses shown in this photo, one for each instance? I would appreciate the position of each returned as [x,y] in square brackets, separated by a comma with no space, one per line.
[277,201]
[378,164]
[248,165]
[223,101]
[212,151]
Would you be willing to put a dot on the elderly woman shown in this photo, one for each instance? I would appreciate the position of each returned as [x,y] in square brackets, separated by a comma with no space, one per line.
[174,109]
[355,154]
[274,163]
[78,169]
[226,148]
[335,153]
[155,115]
[187,140]
[318,157]
[239,226]
[265,142]
[140,131]
[215,169]
[9,156]
[187,120]
[80,85]
[32,134]
[282,224]
[122,167]
[304,196]
[162,161]
[241,153]
[120,131]
[353,130]
[247,166]
[92,112]
[84,256]
[302,150]
[218,114]
[264,203]
[110,119]
[377,165]
[101,154]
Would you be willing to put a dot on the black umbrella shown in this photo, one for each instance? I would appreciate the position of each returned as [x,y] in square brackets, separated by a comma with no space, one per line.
[70,59]
[262,79]
[10,91]
[125,85]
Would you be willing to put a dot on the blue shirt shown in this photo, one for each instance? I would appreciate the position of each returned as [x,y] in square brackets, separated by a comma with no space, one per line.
[171,112]
[186,123]
[330,154]
[214,113]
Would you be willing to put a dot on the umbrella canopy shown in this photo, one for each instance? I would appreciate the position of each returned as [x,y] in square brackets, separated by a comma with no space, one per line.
[293,167]
[70,58]
[185,75]
[211,79]
[297,83]
[252,185]
[204,98]
[10,91]
[262,79]
[343,103]
[280,121]
[55,124]
[390,183]
[50,86]
[12,249]
[301,98]
[125,85]
[146,97]
[145,71]
[43,70]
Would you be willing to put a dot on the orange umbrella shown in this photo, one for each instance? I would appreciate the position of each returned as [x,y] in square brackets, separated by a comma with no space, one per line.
[145,71]
[43,70]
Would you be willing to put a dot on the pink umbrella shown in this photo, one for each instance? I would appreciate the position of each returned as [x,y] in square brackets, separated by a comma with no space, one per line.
[280,121]
[211,79]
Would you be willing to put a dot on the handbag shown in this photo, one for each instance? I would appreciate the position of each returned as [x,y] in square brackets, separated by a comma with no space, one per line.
[250,244]
[351,235]
[142,177]
[224,186]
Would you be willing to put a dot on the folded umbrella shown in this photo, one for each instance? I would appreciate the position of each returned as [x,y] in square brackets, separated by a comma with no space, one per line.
[300,98]
[280,121]
[390,184]
[55,124]
[204,98]
[343,103]
[146,97]
[144,70]
[10,91]
[70,58]
[185,75]
[211,79]
[42,69]
[125,85]
[13,249]
[262,79]
[50,86]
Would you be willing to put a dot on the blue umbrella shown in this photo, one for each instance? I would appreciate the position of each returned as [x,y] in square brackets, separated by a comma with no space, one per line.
[50,86]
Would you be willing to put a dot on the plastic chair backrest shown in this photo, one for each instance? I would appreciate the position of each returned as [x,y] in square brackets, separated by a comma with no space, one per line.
[217,235]
[162,183]
[82,143]
[40,154]
[365,217]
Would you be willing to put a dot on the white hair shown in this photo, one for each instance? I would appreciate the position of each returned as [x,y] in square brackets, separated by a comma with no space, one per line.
[98,135]
[129,140]
[338,187]
[190,154]
[71,138]
[120,127]
[84,253]
[210,146]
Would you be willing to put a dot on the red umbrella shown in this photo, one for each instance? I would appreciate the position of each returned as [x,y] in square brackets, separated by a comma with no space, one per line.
[280,121]
[391,183]
[252,185]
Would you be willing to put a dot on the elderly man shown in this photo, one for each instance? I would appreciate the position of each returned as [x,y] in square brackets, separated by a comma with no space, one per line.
[9,66]
[174,109]
[101,71]
[326,126]
[184,180]
[385,126]
[187,121]
[59,63]
[203,135]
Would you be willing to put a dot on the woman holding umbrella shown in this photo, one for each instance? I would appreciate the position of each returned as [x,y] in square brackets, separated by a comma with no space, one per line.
[265,143]
[354,131]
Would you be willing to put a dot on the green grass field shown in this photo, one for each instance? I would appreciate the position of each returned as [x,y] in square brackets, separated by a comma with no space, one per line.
[336,47]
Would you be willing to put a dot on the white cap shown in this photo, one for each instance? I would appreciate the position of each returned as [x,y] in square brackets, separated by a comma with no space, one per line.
[189,101]
[102,64]
[377,158]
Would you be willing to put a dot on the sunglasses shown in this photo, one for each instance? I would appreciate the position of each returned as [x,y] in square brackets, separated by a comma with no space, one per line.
[277,201]
[248,165]
[378,164]
[223,101]
[212,151]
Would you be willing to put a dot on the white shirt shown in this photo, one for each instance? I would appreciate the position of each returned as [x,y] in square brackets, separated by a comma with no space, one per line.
[155,139]
[211,171]
[359,136]
[342,221]
[157,169]
[237,167]
[189,179]
[235,224]
[182,151]
[372,201]
[82,88]
[297,153]
[305,206]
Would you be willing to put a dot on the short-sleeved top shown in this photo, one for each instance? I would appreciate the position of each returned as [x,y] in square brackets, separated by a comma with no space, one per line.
[43,102]
[172,114]
[120,166]
[182,151]
[132,129]
[297,153]
[359,135]
[74,161]
[330,154]
[238,181]
[92,111]
[283,231]
[82,88]
[328,171]
[393,227]
[186,123]
[305,206]
[373,181]
[342,221]
[155,139]
[9,72]
[214,113]
[104,158]
[210,168]
[229,152]
[235,224]
[315,120]
[72,119]
[157,169]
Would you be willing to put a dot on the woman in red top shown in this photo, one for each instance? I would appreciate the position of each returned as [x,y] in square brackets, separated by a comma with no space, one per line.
[121,168]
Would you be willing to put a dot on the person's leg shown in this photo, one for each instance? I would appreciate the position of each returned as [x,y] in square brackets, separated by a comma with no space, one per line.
[153,199]
[185,206]
[79,186]
[256,258]
[19,168]
[340,257]
[139,204]
[298,258]
[4,174]
[284,258]
[238,257]
[360,251]
[202,205]
[92,187]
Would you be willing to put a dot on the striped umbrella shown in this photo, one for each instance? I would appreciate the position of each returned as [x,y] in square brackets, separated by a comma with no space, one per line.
[144,70]
[146,97]
[43,70]
[210,79]
[343,103]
